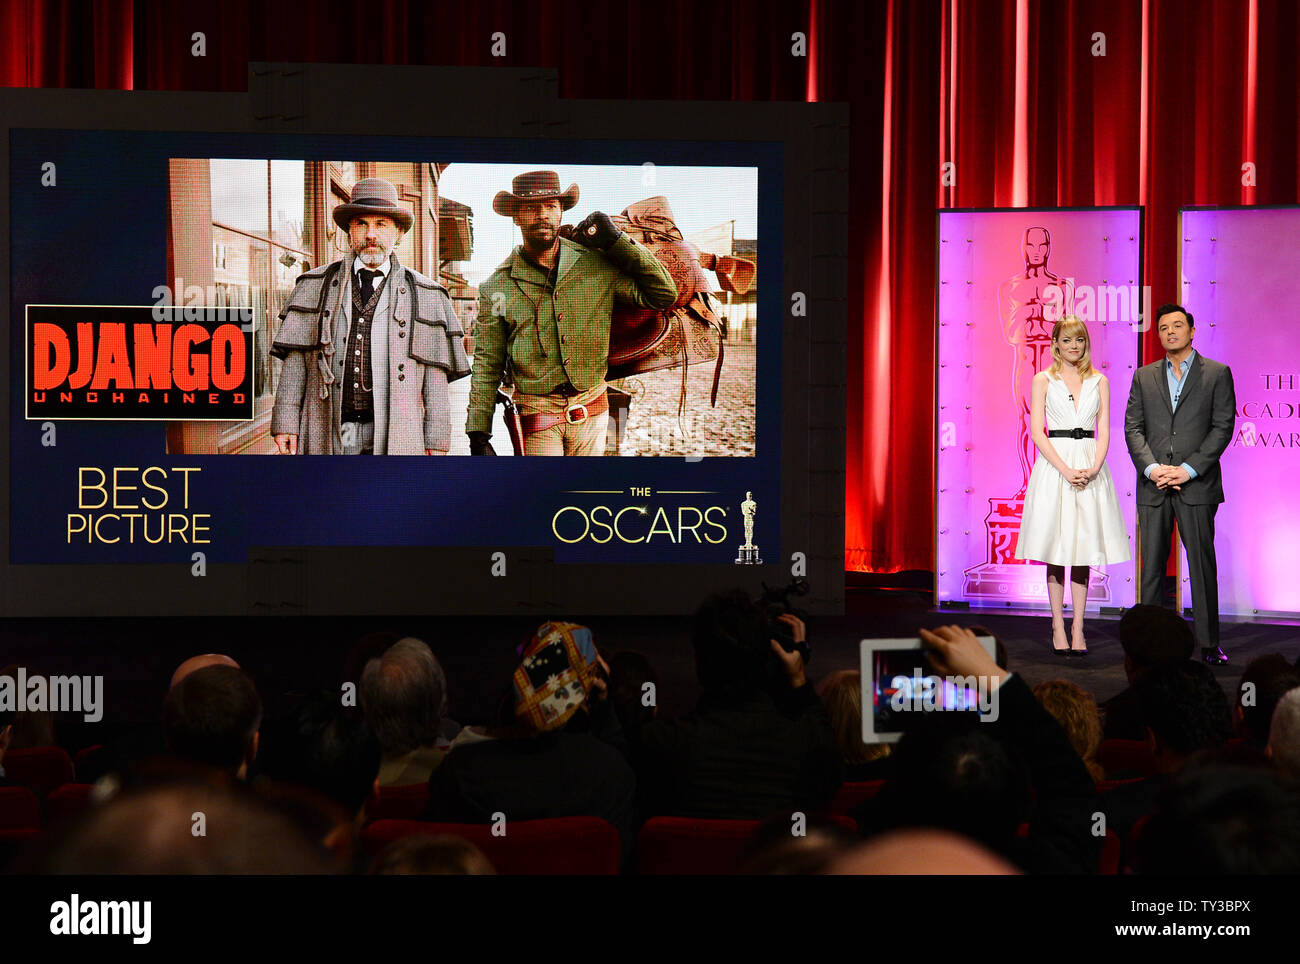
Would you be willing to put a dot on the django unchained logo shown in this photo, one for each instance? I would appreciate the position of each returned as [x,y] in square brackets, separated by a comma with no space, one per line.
[139,362]
[634,520]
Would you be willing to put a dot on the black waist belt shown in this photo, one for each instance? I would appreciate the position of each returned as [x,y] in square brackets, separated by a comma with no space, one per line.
[1070,433]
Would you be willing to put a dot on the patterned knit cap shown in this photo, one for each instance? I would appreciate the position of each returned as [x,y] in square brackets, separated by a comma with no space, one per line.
[557,671]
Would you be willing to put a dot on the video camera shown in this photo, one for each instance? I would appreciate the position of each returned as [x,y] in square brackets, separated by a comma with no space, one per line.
[776,602]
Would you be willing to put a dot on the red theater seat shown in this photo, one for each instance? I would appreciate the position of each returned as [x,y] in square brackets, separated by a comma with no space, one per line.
[1135,834]
[850,795]
[561,845]
[43,768]
[84,754]
[15,841]
[1109,865]
[68,802]
[1118,756]
[685,845]
[682,845]
[14,844]
[400,803]
[19,809]
[1104,785]
[1110,849]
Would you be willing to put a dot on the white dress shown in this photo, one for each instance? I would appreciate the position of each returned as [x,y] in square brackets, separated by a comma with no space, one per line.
[1062,525]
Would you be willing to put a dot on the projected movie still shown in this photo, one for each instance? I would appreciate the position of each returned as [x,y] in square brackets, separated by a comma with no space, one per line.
[432,308]
[424,298]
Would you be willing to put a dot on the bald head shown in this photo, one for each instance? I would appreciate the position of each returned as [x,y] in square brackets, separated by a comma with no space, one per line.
[1284,734]
[152,832]
[199,662]
[907,852]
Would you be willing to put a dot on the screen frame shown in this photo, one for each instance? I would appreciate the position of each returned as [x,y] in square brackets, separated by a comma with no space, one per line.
[510,103]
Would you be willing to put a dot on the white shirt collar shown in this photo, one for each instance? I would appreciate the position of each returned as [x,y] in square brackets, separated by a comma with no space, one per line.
[358,264]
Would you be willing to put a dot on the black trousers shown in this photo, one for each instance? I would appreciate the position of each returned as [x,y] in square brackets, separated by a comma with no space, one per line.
[1196,529]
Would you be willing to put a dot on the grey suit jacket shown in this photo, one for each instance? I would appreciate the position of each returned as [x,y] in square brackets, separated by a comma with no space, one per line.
[411,374]
[1198,433]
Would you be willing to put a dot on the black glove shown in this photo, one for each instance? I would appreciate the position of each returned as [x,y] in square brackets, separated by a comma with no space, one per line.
[480,443]
[597,230]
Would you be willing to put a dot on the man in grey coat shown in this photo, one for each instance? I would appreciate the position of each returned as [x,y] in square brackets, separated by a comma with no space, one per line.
[368,345]
[1180,418]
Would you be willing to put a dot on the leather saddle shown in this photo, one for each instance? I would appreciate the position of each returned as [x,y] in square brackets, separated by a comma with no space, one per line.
[688,332]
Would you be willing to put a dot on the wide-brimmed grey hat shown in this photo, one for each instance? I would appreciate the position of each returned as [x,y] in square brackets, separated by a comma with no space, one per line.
[370,197]
[534,186]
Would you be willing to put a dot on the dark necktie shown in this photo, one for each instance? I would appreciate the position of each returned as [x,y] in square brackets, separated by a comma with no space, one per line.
[367,284]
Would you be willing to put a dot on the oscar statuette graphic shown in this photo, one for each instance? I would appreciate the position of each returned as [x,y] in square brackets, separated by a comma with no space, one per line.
[749,552]
[1029,305]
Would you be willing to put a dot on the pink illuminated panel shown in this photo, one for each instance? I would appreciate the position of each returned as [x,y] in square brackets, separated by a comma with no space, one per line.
[1004,277]
[1240,270]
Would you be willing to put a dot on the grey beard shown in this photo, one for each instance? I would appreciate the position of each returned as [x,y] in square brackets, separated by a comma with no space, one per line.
[371,259]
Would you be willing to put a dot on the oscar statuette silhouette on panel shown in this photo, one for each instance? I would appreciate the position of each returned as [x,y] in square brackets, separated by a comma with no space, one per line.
[1029,305]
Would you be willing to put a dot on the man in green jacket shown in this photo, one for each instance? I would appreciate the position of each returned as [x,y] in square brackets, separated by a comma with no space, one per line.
[546,312]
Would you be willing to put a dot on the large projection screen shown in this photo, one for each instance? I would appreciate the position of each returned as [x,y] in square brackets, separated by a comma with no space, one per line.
[228,201]
[1239,269]
[1004,276]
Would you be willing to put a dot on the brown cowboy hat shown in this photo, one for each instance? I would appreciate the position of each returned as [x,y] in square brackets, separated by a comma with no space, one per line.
[534,186]
[373,196]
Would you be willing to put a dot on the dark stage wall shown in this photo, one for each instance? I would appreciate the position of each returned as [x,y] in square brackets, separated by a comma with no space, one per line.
[1160,103]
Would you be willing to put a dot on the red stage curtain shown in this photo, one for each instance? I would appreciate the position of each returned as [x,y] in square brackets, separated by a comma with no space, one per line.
[67,43]
[1008,91]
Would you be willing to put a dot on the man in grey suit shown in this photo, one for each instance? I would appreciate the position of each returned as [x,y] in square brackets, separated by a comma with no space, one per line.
[1181,412]
[368,345]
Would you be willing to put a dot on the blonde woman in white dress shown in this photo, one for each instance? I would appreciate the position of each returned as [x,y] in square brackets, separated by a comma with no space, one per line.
[1071,515]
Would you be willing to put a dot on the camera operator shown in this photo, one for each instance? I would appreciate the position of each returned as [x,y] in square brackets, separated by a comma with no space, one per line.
[759,742]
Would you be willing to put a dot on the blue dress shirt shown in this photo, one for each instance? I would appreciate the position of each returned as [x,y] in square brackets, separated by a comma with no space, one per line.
[1175,390]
